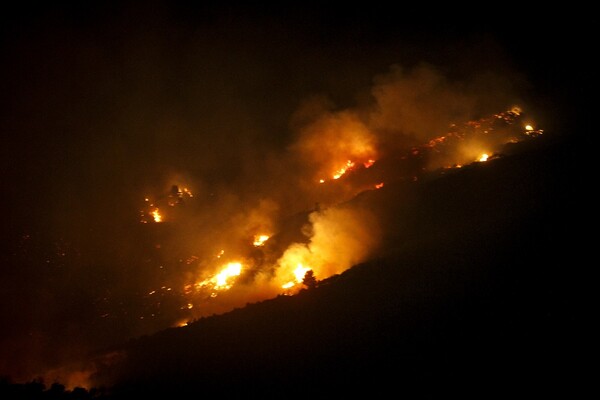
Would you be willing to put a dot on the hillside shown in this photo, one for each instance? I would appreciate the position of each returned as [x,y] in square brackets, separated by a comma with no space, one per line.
[474,293]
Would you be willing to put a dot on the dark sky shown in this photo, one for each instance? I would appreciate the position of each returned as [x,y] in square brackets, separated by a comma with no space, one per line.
[105,103]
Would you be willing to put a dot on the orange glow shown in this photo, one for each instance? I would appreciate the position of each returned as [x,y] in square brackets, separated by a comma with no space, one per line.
[337,239]
[177,195]
[156,215]
[231,270]
[259,240]
[349,165]
[299,273]
[222,280]
[288,285]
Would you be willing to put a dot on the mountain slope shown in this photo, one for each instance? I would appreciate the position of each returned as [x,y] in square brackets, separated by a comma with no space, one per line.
[470,296]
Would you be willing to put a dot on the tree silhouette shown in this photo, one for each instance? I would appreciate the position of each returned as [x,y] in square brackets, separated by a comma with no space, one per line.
[309,279]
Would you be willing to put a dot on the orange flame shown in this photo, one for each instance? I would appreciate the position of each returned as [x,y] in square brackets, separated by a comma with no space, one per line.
[379,185]
[232,269]
[259,240]
[222,280]
[369,163]
[484,157]
[349,165]
[156,215]
[299,273]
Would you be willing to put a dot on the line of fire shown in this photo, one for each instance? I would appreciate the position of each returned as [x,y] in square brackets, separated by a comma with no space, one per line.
[271,263]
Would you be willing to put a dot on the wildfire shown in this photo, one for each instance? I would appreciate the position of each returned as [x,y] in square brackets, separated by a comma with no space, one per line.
[299,273]
[177,195]
[330,231]
[222,280]
[369,163]
[156,215]
[151,211]
[259,240]
[530,130]
[349,165]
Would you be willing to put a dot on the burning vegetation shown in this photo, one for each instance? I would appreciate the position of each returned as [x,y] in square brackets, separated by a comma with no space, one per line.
[255,266]
[288,226]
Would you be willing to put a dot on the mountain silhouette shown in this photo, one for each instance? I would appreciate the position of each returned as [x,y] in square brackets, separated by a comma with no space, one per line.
[474,292]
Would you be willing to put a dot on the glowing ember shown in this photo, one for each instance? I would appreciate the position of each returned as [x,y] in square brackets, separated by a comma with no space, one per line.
[259,240]
[156,215]
[350,165]
[379,185]
[484,157]
[176,195]
[528,127]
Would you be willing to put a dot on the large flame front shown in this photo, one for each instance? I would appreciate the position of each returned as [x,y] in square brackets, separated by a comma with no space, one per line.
[223,279]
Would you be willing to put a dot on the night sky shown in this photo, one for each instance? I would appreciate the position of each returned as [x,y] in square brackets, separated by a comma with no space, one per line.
[106,104]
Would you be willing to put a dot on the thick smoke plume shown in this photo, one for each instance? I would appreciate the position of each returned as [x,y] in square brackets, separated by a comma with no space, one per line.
[339,238]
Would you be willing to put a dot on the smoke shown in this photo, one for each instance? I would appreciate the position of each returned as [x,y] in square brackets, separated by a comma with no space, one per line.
[407,107]
[417,105]
[248,117]
[334,239]
[328,142]
[340,237]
